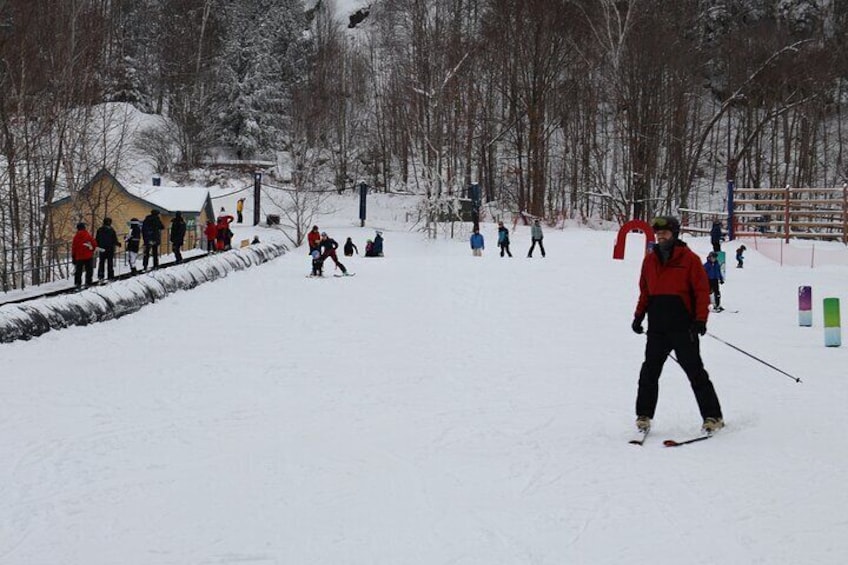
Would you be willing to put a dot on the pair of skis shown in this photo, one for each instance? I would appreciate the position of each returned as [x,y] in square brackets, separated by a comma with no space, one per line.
[326,277]
[643,435]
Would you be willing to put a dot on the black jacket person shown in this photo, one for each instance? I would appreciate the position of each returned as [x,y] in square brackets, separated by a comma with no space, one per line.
[107,241]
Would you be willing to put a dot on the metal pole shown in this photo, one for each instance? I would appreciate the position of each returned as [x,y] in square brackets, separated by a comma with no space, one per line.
[755,358]
[257,192]
[731,182]
[363,194]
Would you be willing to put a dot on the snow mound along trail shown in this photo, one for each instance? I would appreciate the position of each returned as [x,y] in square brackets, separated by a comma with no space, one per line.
[101,303]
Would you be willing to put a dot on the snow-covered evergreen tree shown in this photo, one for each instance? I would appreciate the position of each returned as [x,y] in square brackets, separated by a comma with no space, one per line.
[262,56]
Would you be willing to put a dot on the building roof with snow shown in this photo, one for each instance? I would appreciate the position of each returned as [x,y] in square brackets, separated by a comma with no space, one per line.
[105,196]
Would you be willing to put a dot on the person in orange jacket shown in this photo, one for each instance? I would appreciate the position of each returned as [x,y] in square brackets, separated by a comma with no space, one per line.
[82,253]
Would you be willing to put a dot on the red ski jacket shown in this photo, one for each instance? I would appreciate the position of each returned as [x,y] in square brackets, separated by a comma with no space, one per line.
[314,239]
[675,294]
[211,231]
[83,246]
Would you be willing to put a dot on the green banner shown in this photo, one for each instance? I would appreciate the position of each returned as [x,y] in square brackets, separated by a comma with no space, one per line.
[831,313]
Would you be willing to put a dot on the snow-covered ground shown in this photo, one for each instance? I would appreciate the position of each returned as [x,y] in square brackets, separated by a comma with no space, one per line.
[435,408]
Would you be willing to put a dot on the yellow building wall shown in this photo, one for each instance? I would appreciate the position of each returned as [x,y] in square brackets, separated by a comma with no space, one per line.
[105,199]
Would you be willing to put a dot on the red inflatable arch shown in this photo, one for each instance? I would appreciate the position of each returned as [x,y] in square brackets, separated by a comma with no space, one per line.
[632,225]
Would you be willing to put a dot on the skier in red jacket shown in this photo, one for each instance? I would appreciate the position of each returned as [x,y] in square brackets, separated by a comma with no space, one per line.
[82,253]
[675,294]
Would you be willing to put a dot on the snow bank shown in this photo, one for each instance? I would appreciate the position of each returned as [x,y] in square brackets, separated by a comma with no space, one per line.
[101,303]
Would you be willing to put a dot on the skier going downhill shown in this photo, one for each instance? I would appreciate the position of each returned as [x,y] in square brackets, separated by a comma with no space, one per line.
[675,294]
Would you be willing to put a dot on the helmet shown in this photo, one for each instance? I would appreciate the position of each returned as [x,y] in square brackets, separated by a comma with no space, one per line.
[666,223]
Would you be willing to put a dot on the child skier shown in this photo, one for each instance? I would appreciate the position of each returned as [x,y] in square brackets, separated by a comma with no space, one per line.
[713,269]
[350,247]
[739,258]
[317,263]
[477,243]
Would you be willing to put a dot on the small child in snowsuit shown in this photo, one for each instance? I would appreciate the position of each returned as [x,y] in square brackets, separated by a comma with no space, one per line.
[350,247]
[713,268]
[317,263]
[477,243]
[739,258]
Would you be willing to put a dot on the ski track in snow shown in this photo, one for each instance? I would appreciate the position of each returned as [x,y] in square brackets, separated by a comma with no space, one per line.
[436,408]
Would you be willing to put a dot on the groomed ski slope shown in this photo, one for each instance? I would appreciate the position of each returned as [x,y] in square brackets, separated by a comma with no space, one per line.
[434,409]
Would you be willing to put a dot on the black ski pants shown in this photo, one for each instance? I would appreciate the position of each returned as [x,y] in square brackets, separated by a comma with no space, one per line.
[686,347]
[86,267]
[106,265]
[151,250]
[533,246]
[715,289]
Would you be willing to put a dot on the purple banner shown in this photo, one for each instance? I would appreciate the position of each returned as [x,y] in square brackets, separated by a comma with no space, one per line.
[805,298]
[805,306]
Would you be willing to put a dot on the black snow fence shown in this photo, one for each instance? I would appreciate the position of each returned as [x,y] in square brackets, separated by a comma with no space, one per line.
[119,298]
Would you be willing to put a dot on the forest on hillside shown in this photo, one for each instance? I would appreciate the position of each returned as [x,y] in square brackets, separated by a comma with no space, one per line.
[557,108]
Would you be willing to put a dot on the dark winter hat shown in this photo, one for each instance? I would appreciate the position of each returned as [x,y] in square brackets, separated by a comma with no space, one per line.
[667,223]
[81,226]
[107,221]
[155,212]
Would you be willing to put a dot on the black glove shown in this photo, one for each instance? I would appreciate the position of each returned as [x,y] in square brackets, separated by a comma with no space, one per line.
[699,327]
[636,326]
[721,281]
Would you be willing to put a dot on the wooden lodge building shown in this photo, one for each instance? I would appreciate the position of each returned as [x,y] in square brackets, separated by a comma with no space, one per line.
[104,196]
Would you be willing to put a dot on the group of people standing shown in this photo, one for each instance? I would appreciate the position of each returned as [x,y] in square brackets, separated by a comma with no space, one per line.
[219,236]
[478,243]
[103,246]
[321,248]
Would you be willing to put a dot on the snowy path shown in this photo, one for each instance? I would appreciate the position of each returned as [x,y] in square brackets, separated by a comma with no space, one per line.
[433,409]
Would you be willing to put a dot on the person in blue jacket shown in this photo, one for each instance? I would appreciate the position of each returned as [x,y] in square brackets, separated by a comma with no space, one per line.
[477,243]
[713,269]
[503,239]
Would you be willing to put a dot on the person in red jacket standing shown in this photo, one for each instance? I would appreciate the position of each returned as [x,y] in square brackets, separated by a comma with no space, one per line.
[675,295]
[82,253]
[314,239]
[225,234]
[211,235]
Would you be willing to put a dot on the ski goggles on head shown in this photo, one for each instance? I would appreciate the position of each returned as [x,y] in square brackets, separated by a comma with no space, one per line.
[661,223]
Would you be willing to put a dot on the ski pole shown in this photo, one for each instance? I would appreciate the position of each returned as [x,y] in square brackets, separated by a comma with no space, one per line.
[754,357]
